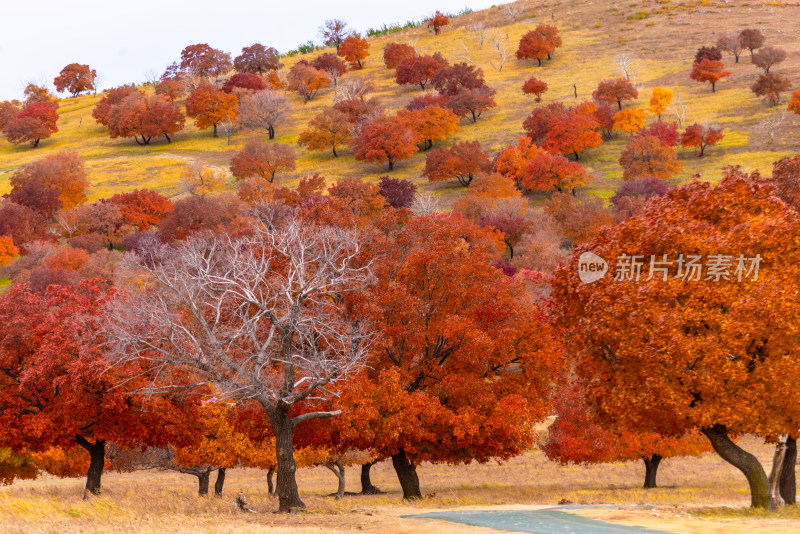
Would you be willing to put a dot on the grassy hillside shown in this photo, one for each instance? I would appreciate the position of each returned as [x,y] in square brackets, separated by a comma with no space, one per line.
[661,34]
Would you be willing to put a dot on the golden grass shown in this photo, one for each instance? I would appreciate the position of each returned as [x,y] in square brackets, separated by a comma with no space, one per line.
[661,34]
[161,501]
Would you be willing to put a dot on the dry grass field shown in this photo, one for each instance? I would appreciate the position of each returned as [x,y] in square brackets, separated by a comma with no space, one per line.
[661,34]
[699,495]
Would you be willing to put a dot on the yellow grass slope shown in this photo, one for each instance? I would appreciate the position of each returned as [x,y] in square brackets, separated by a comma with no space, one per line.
[662,36]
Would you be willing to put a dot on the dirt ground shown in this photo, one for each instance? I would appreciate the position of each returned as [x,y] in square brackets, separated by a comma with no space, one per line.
[157,502]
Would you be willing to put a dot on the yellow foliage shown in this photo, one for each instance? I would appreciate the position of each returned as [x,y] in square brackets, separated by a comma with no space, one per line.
[660,101]
[630,120]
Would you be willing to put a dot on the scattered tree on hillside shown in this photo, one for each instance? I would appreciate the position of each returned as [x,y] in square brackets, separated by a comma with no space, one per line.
[660,101]
[768,56]
[263,111]
[630,120]
[751,39]
[205,62]
[418,70]
[472,103]
[331,65]
[326,131]
[258,158]
[209,106]
[75,78]
[646,155]
[701,136]
[394,53]
[142,208]
[534,86]
[574,131]
[709,71]
[38,93]
[429,124]
[615,92]
[354,50]
[171,88]
[144,117]
[385,140]
[306,80]
[666,132]
[35,122]
[453,78]
[334,32]
[546,172]
[462,161]
[539,43]
[771,86]
[731,43]
[437,21]
[258,59]
[111,98]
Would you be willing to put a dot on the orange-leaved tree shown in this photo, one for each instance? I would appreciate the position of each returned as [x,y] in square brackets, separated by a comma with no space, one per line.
[462,161]
[709,70]
[705,336]
[385,140]
[209,106]
[354,49]
[575,438]
[461,370]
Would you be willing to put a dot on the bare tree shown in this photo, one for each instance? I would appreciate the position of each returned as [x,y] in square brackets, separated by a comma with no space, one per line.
[151,78]
[353,88]
[479,29]
[465,55]
[425,204]
[625,62]
[258,319]
[333,32]
[514,9]
[770,125]
[500,43]
[263,110]
[678,110]
[228,128]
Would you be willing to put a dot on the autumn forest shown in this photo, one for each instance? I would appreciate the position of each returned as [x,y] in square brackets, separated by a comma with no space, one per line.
[519,256]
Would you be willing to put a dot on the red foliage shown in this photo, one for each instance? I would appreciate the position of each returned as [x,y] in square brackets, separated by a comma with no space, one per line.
[330,64]
[145,117]
[75,78]
[534,86]
[257,58]
[437,21]
[472,103]
[63,173]
[418,70]
[244,80]
[262,159]
[546,171]
[709,71]
[114,96]
[35,122]
[205,62]
[666,132]
[142,208]
[354,50]
[450,80]
[462,161]
[221,213]
[385,140]
[394,53]
[701,136]
[615,91]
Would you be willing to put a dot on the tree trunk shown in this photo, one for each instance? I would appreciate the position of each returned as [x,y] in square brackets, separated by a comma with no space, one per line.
[203,479]
[270,485]
[713,87]
[737,58]
[619,103]
[220,482]
[335,155]
[788,484]
[97,459]
[271,132]
[366,483]
[288,495]
[407,475]
[35,143]
[337,468]
[743,461]
[575,89]
[168,139]
[474,118]
[215,130]
[540,61]
[577,158]
[391,164]
[651,471]
[775,499]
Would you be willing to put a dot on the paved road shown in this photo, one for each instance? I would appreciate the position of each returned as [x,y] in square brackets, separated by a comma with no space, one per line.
[555,520]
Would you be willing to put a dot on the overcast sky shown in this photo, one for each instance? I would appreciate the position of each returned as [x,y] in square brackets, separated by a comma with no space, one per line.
[123,40]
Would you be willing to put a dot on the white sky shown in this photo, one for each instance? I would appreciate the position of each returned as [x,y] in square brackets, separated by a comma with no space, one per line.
[123,39]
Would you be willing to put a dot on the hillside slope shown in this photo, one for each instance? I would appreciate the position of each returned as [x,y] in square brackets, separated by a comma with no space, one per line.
[661,34]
